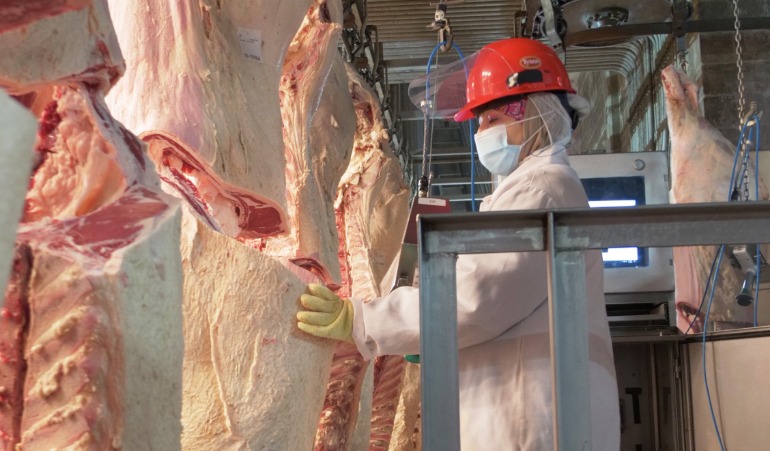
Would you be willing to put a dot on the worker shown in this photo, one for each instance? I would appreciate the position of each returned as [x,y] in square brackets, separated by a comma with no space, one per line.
[520,92]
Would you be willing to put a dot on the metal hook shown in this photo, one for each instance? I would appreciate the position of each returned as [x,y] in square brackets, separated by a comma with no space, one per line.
[681,56]
[753,107]
[441,24]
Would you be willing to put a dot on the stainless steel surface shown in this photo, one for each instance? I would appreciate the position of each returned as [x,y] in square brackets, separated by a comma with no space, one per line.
[649,226]
[641,311]
[568,317]
[637,318]
[473,20]
[635,378]
[753,332]
[439,378]
[652,297]
[452,181]
[675,225]
[653,336]
[407,61]
[442,237]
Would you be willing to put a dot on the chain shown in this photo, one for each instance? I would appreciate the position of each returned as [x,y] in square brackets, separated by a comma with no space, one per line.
[745,145]
[739,63]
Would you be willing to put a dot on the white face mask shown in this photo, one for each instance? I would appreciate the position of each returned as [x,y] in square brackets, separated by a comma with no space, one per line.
[495,153]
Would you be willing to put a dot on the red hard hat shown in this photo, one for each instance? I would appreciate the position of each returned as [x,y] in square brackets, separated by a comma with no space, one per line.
[512,67]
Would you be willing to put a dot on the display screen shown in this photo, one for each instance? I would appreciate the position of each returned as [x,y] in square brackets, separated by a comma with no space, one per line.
[618,192]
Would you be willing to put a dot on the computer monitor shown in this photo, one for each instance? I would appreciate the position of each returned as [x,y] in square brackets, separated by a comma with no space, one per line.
[626,180]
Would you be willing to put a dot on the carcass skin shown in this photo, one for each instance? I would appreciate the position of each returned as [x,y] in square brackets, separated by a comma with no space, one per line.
[372,207]
[57,42]
[701,165]
[18,128]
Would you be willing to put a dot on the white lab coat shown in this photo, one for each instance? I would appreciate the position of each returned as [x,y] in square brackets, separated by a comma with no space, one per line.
[504,359]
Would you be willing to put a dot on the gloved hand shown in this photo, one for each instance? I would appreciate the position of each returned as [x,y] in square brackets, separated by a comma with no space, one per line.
[326,315]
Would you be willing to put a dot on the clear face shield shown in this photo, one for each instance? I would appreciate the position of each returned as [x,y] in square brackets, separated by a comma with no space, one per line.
[441,91]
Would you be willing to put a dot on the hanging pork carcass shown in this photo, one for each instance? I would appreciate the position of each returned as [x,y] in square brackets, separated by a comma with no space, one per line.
[95,292]
[292,165]
[247,125]
[701,171]
[371,206]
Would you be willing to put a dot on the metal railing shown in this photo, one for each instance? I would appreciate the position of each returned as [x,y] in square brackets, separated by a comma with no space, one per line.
[564,234]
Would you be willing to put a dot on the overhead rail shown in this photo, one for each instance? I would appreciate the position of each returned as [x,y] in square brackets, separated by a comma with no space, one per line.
[695,26]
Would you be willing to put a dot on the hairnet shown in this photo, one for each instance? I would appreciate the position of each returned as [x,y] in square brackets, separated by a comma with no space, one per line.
[579,103]
[554,126]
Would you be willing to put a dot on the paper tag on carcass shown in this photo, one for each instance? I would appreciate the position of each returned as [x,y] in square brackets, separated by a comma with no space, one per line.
[251,43]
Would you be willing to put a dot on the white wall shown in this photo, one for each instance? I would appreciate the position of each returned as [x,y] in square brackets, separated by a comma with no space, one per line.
[739,382]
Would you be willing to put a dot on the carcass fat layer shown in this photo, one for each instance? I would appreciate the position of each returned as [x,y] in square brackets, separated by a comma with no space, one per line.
[18,13]
[73,41]
[406,428]
[197,84]
[247,366]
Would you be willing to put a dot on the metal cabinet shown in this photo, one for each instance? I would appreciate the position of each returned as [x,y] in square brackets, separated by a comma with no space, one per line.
[653,392]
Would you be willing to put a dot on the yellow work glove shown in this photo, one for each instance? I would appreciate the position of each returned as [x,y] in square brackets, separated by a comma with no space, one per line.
[326,315]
